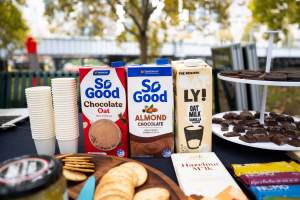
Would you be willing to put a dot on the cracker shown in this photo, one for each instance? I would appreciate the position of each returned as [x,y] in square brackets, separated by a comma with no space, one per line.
[79,157]
[112,197]
[73,175]
[79,163]
[126,190]
[73,160]
[139,170]
[59,157]
[79,169]
[155,193]
[80,166]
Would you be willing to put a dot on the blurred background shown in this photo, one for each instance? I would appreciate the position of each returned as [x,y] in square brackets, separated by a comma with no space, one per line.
[50,38]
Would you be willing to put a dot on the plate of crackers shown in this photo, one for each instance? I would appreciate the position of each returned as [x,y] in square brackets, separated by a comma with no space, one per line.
[117,178]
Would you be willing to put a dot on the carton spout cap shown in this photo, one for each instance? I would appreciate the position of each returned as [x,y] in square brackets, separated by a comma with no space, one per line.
[117,64]
[193,62]
[162,61]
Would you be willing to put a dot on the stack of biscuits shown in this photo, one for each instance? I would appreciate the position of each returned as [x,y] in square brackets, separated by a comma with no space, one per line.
[76,168]
[119,183]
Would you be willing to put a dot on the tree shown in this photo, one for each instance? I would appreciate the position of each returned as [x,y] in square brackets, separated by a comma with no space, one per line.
[144,21]
[277,15]
[13,29]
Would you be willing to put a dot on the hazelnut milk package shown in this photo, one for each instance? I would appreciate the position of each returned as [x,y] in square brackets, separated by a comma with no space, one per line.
[193,105]
[104,109]
[150,109]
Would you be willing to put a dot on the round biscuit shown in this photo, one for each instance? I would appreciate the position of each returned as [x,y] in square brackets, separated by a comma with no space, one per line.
[155,193]
[121,187]
[73,175]
[139,170]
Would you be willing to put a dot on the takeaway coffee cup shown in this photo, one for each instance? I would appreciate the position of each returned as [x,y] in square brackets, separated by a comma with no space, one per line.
[193,136]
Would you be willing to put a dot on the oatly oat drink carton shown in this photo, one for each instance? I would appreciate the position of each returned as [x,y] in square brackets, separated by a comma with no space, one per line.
[104,109]
[150,109]
[193,105]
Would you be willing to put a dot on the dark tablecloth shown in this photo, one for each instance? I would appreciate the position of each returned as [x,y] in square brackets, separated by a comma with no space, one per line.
[17,141]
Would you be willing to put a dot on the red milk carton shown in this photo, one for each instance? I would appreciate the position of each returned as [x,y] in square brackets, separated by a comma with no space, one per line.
[104,109]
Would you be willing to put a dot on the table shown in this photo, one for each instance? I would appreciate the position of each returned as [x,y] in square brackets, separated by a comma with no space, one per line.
[17,141]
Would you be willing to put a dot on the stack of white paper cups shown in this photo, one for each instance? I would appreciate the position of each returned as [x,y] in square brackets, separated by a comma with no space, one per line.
[39,102]
[64,93]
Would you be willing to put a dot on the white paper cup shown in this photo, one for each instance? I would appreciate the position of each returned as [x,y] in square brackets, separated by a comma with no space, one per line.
[45,146]
[68,146]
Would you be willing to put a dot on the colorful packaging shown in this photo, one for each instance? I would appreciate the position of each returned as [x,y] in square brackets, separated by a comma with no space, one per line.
[193,105]
[279,178]
[104,109]
[204,174]
[264,192]
[256,168]
[150,109]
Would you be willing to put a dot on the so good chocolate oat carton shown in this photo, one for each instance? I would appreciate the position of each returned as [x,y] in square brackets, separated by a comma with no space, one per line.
[104,109]
[193,105]
[150,109]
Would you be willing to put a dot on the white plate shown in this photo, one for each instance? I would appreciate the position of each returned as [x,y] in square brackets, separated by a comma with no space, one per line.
[216,128]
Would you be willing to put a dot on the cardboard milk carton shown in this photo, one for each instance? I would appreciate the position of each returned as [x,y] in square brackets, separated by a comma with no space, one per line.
[150,109]
[104,109]
[193,105]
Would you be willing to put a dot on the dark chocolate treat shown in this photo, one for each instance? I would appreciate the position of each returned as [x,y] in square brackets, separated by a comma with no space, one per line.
[294,142]
[217,120]
[224,128]
[279,139]
[230,73]
[270,121]
[239,129]
[250,132]
[257,115]
[280,118]
[224,124]
[273,114]
[231,134]
[275,76]
[289,119]
[252,122]
[288,126]
[242,122]
[260,131]
[298,125]
[248,139]
[275,129]
[293,76]
[230,115]
[246,115]
[262,137]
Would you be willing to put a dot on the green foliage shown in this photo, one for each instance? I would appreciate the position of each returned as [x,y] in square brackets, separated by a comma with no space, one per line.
[276,14]
[13,29]
[150,32]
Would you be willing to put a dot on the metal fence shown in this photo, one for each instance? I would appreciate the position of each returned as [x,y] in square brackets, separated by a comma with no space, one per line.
[13,84]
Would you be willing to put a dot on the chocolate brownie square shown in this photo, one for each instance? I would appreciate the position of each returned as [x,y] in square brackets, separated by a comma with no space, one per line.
[239,129]
[279,139]
[270,121]
[246,115]
[293,76]
[248,139]
[262,137]
[217,120]
[230,115]
[275,76]
[294,142]
[231,134]
[260,131]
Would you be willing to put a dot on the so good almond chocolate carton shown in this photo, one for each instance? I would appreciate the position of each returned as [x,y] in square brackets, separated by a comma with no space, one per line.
[193,105]
[104,109]
[150,109]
